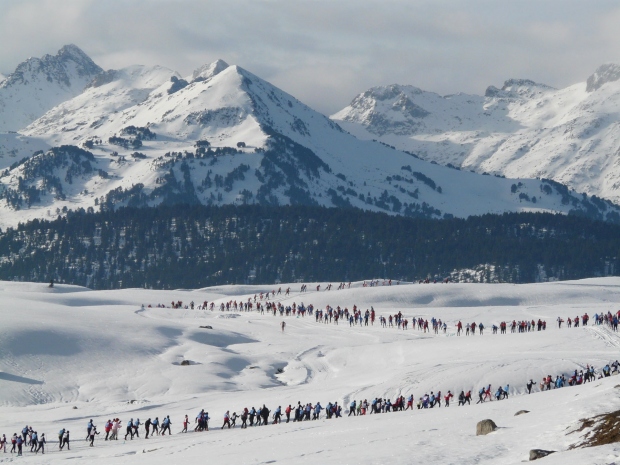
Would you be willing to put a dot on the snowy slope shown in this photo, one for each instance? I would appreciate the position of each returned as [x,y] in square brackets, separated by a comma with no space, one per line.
[106,355]
[291,154]
[39,84]
[524,129]
[14,147]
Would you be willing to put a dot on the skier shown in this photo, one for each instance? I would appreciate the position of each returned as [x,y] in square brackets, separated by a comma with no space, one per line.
[283,325]
[107,428]
[42,442]
[529,386]
[60,435]
[147,427]
[116,424]
[226,419]
[136,425]
[165,426]
[33,441]
[89,427]
[155,426]
[265,414]
[65,440]
[93,432]
[185,423]
[129,430]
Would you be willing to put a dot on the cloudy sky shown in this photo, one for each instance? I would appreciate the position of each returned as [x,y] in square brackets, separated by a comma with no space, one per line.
[326,51]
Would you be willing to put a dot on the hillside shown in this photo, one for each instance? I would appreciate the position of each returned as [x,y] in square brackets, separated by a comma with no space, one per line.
[101,355]
[183,247]
[525,129]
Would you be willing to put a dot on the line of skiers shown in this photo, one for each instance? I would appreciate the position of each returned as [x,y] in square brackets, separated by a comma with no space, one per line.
[608,319]
[301,412]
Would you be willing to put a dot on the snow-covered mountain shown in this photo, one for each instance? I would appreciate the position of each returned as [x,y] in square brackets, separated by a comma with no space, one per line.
[39,84]
[524,129]
[142,136]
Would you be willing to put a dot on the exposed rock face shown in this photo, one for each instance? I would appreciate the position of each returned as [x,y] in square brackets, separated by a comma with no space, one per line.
[521,412]
[485,427]
[539,453]
[608,72]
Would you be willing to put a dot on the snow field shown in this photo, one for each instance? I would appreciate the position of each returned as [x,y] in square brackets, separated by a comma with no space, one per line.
[99,350]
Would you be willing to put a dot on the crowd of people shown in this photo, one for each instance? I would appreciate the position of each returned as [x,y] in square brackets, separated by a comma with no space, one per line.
[265,302]
[303,411]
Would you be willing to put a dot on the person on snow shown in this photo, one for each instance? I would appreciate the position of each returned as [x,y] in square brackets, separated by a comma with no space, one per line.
[129,430]
[65,440]
[287,411]
[33,441]
[136,425]
[277,415]
[185,423]
[352,408]
[42,442]
[529,386]
[93,432]
[147,428]
[226,419]
[265,414]
[20,442]
[166,426]
[317,410]
[60,435]
[116,425]
[447,398]
[155,426]
[89,428]
[107,428]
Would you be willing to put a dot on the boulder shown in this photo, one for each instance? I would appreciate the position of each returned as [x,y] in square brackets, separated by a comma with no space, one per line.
[539,453]
[207,327]
[521,412]
[185,362]
[485,427]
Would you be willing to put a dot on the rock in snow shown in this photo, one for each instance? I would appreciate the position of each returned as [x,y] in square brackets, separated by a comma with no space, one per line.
[536,454]
[485,427]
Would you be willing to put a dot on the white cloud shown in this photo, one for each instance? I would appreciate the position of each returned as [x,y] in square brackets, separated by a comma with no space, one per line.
[324,52]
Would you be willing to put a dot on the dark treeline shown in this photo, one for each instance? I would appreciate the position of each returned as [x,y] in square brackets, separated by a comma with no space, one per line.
[196,246]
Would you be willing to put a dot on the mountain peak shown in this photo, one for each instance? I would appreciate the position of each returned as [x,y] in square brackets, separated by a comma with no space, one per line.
[609,72]
[69,61]
[39,84]
[209,70]
[518,88]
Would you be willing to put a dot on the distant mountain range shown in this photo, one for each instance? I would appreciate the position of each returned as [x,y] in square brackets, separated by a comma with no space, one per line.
[145,136]
[524,129]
